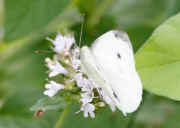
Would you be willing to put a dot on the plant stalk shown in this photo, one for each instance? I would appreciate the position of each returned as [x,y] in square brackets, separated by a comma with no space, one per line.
[62,117]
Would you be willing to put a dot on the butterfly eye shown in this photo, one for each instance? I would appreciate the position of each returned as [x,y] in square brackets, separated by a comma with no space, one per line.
[118,55]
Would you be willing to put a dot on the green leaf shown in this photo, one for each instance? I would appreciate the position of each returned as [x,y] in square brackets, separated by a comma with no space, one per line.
[55,103]
[158,62]
[23,18]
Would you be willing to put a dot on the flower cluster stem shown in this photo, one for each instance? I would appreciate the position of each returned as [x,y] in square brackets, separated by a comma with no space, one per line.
[62,117]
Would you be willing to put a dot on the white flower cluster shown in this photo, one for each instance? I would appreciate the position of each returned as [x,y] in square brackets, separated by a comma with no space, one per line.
[61,44]
[62,47]
[87,94]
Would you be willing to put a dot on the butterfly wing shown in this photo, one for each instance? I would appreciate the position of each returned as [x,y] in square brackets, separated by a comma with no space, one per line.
[113,60]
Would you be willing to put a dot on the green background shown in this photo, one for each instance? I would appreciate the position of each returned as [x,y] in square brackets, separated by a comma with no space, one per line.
[26,24]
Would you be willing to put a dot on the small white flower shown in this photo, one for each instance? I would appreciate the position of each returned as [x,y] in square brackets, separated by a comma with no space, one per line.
[76,52]
[79,79]
[88,110]
[87,95]
[62,43]
[86,98]
[86,87]
[55,67]
[107,99]
[82,82]
[52,88]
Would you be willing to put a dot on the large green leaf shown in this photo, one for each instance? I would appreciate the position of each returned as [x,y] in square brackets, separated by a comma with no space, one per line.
[158,61]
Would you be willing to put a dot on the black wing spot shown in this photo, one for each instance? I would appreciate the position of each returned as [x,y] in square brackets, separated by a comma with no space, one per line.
[118,55]
[115,95]
[117,35]
[121,35]
[98,68]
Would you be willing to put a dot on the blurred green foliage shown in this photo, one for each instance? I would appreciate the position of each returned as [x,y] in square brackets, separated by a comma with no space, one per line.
[22,71]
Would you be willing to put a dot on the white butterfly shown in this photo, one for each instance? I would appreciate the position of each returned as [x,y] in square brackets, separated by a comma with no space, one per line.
[110,63]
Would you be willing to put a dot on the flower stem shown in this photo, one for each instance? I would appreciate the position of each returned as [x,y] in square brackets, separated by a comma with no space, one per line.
[62,117]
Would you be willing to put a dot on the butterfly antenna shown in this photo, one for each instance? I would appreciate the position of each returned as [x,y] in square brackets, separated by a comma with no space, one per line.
[82,25]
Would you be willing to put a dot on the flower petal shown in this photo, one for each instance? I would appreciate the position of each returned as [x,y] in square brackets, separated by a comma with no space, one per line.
[55,67]
[52,88]
[50,93]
